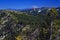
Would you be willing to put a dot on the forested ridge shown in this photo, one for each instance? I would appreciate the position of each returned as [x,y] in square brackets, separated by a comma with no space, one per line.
[30,25]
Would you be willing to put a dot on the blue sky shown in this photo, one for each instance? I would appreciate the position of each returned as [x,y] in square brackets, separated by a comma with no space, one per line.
[22,4]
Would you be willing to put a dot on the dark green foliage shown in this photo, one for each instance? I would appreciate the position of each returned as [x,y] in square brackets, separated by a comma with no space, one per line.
[37,21]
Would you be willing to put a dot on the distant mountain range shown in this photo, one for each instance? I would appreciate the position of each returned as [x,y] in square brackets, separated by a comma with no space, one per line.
[35,11]
[42,10]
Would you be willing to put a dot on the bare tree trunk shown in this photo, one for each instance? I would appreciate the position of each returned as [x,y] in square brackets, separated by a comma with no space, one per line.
[51,30]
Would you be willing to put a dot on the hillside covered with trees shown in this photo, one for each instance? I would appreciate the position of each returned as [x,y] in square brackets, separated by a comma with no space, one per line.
[30,24]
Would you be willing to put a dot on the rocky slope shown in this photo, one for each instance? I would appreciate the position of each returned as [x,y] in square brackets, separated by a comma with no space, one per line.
[32,24]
